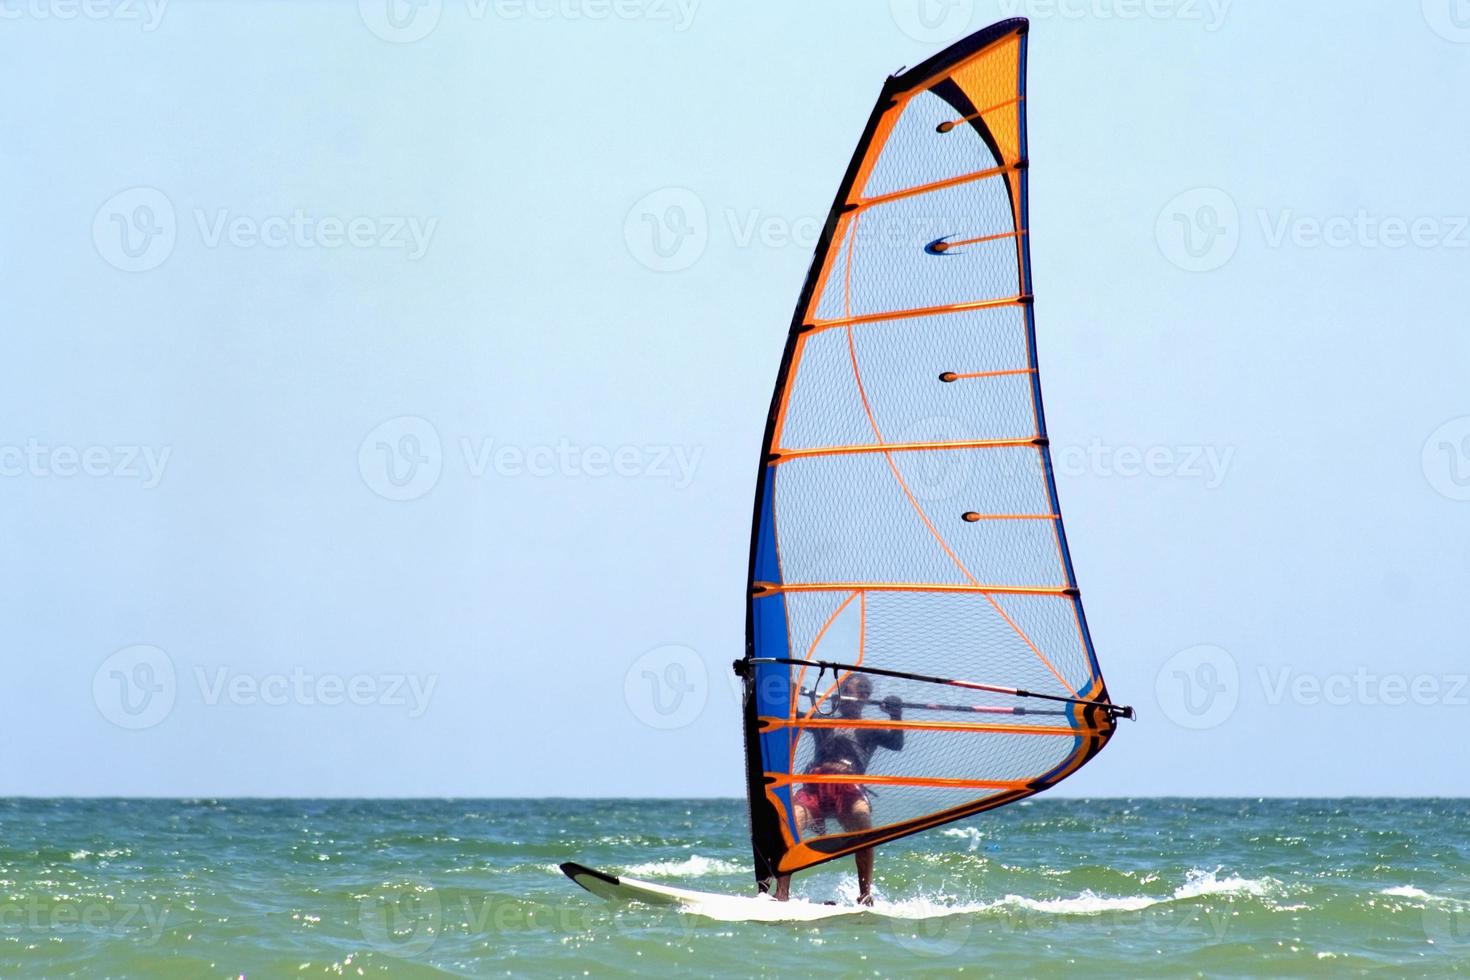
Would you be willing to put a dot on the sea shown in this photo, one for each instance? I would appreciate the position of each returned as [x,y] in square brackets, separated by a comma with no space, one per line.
[467,888]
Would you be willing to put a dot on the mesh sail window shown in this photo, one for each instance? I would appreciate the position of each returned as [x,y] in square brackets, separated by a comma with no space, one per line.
[906,517]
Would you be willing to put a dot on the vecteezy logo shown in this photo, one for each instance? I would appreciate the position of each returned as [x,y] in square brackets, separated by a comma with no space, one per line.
[1446,459]
[1450,19]
[667,687]
[1199,687]
[135,230]
[1447,922]
[935,937]
[401,459]
[667,230]
[401,919]
[401,21]
[135,687]
[932,21]
[939,475]
[1199,230]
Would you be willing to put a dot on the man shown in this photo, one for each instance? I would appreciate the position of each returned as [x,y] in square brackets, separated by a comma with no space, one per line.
[844,751]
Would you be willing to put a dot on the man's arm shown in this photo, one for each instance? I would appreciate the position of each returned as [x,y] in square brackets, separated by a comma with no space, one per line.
[887,738]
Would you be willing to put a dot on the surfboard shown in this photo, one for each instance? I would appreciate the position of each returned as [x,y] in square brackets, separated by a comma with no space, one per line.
[729,908]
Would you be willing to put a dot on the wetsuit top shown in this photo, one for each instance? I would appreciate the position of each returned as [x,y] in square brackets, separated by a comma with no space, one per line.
[853,746]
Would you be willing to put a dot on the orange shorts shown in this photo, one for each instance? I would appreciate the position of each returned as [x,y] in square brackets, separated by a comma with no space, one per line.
[823,800]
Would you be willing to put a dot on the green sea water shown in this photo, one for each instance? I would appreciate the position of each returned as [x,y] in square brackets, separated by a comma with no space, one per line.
[291,888]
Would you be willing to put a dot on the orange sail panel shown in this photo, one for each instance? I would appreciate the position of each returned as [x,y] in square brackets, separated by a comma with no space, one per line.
[906,519]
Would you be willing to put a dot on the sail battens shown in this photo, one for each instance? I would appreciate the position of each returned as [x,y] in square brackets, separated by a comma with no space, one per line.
[939,185]
[944,245]
[782,455]
[816,326]
[950,124]
[860,724]
[762,589]
[951,376]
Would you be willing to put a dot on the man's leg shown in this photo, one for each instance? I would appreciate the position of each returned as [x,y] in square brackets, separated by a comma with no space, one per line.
[864,860]
[783,882]
[859,816]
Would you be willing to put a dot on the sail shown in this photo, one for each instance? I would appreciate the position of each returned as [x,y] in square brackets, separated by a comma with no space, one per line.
[906,520]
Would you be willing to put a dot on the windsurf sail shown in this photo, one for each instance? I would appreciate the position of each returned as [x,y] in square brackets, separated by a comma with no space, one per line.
[906,519]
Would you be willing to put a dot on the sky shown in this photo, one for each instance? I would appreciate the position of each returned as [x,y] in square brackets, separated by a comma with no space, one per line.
[383,387]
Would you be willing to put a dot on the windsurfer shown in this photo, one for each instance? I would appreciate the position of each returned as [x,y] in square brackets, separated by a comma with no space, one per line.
[845,751]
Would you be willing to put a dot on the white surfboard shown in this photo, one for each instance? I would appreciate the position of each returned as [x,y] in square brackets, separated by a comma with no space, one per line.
[728,908]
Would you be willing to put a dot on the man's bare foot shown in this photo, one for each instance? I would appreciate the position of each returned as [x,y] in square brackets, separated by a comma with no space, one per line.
[783,888]
[866,899]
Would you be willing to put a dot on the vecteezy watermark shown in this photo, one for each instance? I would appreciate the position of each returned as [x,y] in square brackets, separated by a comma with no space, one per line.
[504,919]
[1201,687]
[135,687]
[37,460]
[1209,14]
[401,459]
[964,933]
[1199,230]
[407,21]
[148,14]
[1446,922]
[35,916]
[943,476]
[1446,459]
[1363,229]
[667,687]
[1450,19]
[1363,687]
[401,21]
[410,234]
[673,463]
[401,918]
[1207,464]
[932,21]
[679,13]
[406,917]
[137,229]
[667,230]
[1198,687]
[298,687]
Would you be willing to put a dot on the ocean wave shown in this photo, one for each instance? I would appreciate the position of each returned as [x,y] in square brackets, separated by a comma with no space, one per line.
[1198,883]
[693,866]
[1420,895]
[111,852]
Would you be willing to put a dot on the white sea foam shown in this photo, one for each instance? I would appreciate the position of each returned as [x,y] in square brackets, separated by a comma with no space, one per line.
[83,854]
[1088,903]
[693,866]
[1198,882]
[1420,895]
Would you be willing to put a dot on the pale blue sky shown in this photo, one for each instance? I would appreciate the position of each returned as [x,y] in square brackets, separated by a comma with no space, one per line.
[431,238]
